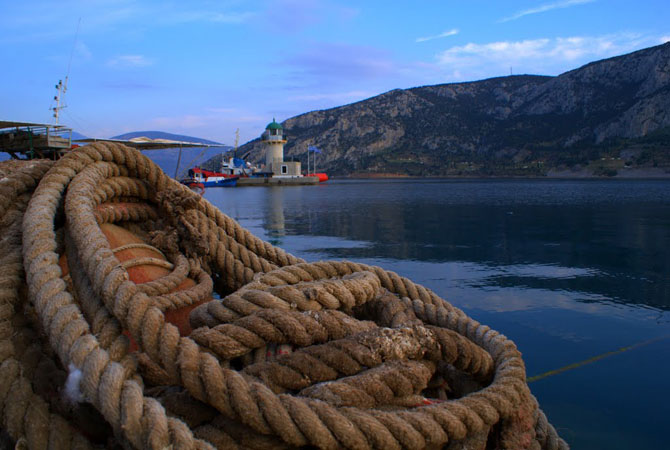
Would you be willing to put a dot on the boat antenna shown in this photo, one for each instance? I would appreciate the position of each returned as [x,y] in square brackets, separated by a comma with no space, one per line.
[61,87]
[237,140]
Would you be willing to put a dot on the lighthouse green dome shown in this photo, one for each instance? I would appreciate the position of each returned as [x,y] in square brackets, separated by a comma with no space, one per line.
[273,125]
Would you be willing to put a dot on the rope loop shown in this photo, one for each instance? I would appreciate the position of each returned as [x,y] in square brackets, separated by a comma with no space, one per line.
[153,320]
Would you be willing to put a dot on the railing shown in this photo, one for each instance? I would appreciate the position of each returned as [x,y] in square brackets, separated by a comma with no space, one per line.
[27,138]
[273,138]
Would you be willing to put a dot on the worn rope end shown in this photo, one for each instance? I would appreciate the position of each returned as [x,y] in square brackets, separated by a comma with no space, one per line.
[72,393]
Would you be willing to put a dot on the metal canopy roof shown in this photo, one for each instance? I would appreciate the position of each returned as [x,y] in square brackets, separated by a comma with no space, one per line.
[11,124]
[151,144]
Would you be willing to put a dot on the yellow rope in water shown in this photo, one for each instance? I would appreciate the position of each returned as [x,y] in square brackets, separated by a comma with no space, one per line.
[594,359]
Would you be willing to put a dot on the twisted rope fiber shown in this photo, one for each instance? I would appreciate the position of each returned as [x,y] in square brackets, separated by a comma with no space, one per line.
[64,351]
[25,414]
[504,349]
[143,420]
[306,305]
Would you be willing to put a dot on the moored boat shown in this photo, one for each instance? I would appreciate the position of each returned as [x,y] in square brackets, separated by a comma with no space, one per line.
[322,176]
[195,186]
[210,178]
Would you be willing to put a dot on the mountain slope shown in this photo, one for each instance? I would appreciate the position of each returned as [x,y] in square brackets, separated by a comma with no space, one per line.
[76,135]
[607,117]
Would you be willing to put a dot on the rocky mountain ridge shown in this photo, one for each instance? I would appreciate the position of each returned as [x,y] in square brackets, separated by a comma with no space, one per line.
[609,117]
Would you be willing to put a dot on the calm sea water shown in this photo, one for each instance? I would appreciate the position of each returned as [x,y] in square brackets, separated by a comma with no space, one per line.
[570,270]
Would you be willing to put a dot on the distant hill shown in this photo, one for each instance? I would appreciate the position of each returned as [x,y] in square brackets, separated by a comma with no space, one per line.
[164,135]
[76,136]
[167,158]
[610,117]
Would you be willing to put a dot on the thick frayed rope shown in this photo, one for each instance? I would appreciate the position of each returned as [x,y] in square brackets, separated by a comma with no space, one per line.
[329,354]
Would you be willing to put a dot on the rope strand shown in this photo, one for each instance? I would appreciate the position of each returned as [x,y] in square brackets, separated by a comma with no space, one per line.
[331,354]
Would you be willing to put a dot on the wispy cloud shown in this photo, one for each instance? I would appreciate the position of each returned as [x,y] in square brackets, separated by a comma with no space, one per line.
[209,117]
[234,17]
[544,8]
[124,61]
[438,36]
[303,14]
[219,110]
[664,39]
[185,122]
[335,96]
[334,62]
[546,56]
[82,50]
[177,17]
[129,85]
[202,122]
[59,19]
[123,17]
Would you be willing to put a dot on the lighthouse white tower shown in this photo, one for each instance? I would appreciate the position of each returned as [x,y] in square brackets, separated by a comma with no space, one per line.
[274,140]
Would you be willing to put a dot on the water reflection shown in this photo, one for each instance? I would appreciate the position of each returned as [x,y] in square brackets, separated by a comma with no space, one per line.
[274,221]
[567,269]
[606,239]
[624,261]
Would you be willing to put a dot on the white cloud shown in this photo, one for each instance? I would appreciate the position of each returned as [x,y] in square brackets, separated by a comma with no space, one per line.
[664,39]
[130,61]
[546,7]
[441,35]
[547,56]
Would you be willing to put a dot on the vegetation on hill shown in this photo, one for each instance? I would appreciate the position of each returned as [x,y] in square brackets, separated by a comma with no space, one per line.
[610,117]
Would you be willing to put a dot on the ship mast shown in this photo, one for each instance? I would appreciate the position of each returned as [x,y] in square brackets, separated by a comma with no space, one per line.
[223,160]
[61,87]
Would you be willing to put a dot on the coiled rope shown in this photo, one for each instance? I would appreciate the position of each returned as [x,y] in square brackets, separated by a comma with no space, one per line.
[330,354]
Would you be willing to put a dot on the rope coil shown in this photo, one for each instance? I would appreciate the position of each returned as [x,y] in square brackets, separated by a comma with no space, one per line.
[331,354]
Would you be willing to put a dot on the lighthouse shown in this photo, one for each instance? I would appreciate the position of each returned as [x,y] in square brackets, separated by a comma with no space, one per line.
[273,140]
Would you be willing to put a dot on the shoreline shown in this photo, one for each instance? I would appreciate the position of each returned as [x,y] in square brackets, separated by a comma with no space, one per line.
[626,174]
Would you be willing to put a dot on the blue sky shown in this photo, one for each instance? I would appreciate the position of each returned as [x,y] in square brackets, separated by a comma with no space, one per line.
[205,68]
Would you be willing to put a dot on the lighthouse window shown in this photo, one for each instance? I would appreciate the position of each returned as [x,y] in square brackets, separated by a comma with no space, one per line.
[284,169]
